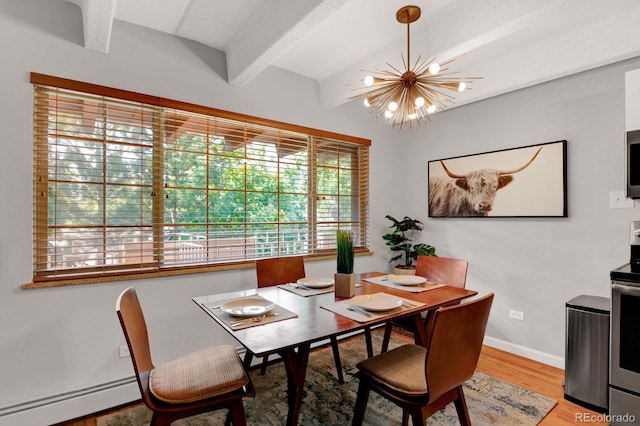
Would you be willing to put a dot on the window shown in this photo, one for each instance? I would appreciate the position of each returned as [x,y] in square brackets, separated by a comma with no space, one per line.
[130,184]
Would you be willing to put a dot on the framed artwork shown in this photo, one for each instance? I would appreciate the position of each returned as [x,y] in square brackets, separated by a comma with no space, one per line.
[529,181]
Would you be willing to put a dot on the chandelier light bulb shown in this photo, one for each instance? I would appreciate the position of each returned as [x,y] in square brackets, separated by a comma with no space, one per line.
[412,116]
[462,86]
[366,102]
[368,80]
[431,109]
[393,106]
[434,68]
[419,101]
[388,114]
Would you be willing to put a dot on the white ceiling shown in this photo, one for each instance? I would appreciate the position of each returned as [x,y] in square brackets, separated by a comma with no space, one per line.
[511,44]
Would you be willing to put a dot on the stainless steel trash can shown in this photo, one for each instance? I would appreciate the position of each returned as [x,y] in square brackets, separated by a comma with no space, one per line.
[587,352]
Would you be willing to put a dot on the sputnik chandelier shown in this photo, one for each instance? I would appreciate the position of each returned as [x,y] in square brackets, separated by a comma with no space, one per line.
[411,95]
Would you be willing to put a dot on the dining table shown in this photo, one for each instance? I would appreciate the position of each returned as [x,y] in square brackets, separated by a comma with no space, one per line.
[304,320]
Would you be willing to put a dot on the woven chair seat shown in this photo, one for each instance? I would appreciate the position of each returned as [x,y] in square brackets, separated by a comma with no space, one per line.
[198,375]
[401,369]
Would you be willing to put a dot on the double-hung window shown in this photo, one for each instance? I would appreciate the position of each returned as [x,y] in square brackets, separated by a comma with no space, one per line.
[126,183]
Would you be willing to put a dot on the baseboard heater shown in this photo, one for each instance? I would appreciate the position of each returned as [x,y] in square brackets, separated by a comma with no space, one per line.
[70,405]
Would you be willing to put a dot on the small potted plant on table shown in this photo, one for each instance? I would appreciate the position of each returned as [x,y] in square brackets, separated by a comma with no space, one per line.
[400,241]
[344,279]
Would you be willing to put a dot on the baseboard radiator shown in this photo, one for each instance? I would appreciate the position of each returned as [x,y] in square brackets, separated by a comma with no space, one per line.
[71,405]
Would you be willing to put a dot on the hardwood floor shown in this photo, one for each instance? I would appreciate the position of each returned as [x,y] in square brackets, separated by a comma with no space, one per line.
[532,375]
[541,378]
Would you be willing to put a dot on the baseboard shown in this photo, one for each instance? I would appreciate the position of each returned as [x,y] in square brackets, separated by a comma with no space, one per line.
[524,351]
[71,405]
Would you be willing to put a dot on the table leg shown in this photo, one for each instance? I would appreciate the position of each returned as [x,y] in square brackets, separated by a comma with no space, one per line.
[420,330]
[368,341]
[295,364]
[423,324]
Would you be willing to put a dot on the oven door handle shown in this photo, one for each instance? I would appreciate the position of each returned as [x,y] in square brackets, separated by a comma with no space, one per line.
[626,289]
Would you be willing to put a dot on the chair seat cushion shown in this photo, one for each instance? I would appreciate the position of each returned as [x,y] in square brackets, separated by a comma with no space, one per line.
[401,369]
[198,375]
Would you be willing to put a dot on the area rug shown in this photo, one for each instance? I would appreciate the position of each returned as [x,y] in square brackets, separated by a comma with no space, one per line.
[490,401]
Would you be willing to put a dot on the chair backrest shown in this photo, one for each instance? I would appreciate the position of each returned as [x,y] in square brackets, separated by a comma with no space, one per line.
[443,270]
[279,270]
[456,341]
[135,331]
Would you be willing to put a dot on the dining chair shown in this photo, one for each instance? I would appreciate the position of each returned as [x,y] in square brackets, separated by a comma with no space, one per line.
[422,380]
[198,382]
[444,270]
[283,270]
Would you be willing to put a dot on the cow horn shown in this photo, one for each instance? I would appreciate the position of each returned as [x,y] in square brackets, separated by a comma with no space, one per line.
[502,173]
[455,176]
[451,175]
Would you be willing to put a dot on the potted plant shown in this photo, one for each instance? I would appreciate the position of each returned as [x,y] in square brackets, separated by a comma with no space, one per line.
[400,241]
[345,279]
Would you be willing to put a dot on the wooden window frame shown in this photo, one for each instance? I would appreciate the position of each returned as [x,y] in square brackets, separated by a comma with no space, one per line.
[357,153]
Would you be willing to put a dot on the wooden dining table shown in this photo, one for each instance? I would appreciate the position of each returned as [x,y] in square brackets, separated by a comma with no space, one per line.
[292,338]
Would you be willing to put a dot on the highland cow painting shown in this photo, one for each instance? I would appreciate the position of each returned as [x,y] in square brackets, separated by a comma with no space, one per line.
[529,181]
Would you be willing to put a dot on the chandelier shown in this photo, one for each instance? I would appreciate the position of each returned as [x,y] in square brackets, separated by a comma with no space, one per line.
[414,93]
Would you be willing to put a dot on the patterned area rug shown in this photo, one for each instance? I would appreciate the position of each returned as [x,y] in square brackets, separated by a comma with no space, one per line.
[490,401]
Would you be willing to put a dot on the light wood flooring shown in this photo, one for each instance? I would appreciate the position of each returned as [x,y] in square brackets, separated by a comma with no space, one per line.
[541,378]
[532,375]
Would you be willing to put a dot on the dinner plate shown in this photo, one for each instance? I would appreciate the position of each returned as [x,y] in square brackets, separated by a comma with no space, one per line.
[247,307]
[316,282]
[407,279]
[376,302]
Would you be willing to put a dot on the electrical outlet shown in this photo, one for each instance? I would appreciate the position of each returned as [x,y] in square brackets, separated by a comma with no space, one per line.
[617,200]
[124,351]
[519,315]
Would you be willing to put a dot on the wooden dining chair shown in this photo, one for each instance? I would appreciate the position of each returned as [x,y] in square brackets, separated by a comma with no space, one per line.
[283,270]
[198,382]
[421,380]
[444,270]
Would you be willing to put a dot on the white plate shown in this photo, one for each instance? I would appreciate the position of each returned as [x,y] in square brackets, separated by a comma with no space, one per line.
[407,279]
[247,307]
[316,282]
[377,302]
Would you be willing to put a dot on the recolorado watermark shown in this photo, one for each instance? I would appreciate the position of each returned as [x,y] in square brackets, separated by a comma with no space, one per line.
[605,418]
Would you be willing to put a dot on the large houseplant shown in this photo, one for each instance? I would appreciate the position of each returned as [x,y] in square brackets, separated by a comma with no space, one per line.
[400,241]
[345,279]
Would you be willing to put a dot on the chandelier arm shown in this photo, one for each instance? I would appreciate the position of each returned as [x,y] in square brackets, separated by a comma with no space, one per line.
[378,91]
[455,58]
[382,98]
[378,72]
[423,67]
[440,99]
[428,97]
[397,73]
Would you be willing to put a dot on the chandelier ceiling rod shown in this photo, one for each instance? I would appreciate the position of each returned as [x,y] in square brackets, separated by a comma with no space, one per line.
[407,15]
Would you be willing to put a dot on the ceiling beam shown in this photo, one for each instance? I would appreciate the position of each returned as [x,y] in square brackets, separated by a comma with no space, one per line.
[270,31]
[97,23]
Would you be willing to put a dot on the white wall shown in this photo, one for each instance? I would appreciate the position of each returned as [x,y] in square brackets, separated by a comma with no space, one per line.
[65,339]
[537,265]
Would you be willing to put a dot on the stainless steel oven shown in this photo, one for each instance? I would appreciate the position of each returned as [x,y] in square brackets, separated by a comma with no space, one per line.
[624,364]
